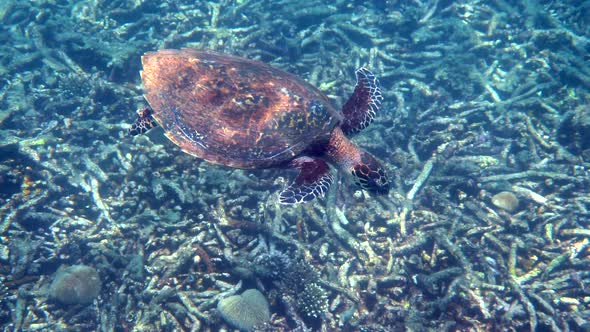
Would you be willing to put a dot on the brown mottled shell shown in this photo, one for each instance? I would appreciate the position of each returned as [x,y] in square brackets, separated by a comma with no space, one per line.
[234,111]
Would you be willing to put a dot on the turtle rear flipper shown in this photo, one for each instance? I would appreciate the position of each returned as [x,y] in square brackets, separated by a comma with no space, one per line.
[362,107]
[313,181]
[143,123]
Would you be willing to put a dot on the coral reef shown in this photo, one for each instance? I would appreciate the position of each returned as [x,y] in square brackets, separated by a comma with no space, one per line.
[296,281]
[506,200]
[479,98]
[245,311]
[77,284]
[274,265]
[312,301]
[573,131]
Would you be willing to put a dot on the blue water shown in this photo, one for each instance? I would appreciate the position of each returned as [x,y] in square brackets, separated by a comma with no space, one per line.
[483,132]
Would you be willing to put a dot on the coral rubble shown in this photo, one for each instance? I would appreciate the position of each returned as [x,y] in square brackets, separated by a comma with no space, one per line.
[480,98]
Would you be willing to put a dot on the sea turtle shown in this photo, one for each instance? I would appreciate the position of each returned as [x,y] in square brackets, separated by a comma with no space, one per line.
[244,113]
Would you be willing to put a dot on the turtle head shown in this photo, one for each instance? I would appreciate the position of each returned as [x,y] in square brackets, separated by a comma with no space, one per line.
[370,175]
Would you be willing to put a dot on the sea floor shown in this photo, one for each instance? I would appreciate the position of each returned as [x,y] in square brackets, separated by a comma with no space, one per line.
[484,130]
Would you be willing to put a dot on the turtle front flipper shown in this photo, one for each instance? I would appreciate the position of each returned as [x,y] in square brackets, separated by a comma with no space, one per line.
[313,181]
[362,107]
[143,123]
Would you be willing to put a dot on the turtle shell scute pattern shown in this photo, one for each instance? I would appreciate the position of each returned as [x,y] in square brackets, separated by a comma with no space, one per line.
[234,111]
